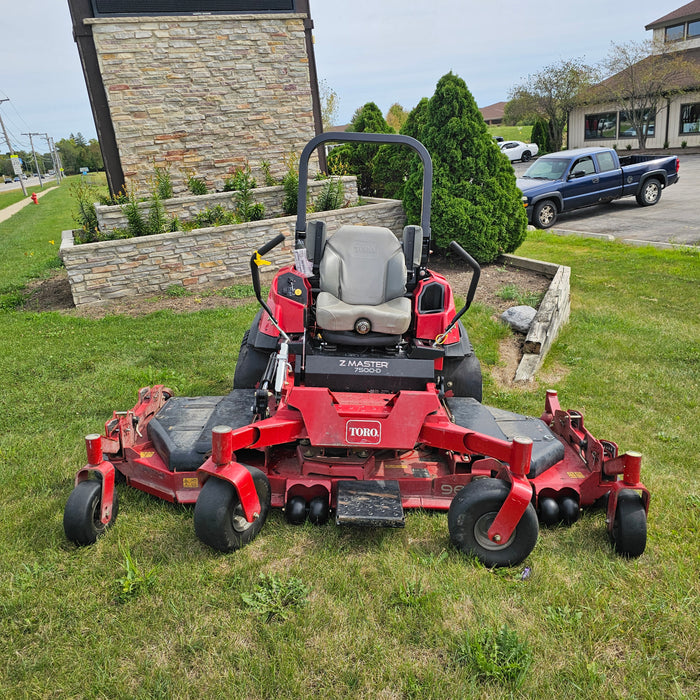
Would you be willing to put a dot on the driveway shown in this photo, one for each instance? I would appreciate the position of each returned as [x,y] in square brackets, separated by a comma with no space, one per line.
[675,219]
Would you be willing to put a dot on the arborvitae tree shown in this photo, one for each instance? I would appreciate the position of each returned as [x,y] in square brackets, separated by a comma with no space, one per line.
[358,159]
[475,200]
[393,162]
[540,135]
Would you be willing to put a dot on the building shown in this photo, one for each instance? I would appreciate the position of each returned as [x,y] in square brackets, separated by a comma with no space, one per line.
[677,120]
[493,114]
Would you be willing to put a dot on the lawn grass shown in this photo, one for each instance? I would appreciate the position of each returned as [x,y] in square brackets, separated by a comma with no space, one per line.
[375,613]
[511,133]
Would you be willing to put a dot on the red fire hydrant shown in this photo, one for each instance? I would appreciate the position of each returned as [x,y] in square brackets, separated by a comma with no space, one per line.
[34,198]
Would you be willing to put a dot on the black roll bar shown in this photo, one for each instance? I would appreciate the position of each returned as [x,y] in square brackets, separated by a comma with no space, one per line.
[354,137]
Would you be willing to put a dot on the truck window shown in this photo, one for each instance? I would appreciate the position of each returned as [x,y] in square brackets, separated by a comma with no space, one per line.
[606,161]
[586,164]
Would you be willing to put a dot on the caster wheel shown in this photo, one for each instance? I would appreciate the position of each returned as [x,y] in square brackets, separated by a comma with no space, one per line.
[629,531]
[81,516]
[219,520]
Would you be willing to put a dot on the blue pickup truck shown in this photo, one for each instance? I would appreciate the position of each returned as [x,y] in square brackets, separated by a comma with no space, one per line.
[568,180]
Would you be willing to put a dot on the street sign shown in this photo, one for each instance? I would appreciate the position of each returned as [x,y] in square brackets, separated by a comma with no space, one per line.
[16,164]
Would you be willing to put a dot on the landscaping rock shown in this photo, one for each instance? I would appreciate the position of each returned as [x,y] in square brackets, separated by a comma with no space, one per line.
[519,318]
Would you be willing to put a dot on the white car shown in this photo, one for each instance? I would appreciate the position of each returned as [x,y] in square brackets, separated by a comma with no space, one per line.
[517,150]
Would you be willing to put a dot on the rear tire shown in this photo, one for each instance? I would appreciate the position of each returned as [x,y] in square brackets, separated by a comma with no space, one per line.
[525,157]
[545,214]
[219,521]
[81,516]
[250,366]
[471,514]
[650,193]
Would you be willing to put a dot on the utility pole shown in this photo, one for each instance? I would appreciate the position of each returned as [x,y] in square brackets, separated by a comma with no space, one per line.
[36,164]
[9,146]
[52,152]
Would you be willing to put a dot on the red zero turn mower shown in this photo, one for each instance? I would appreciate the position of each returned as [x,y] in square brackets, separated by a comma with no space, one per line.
[357,393]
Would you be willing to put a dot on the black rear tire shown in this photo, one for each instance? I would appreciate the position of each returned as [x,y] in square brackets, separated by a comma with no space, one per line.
[81,516]
[218,514]
[629,532]
[250,366]
[525,157]
[471,514]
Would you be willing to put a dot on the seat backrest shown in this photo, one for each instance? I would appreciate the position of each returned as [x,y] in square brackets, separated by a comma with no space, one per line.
[363,265]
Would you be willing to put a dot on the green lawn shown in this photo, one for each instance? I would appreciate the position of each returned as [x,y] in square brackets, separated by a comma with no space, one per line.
[341,613]
[511,133]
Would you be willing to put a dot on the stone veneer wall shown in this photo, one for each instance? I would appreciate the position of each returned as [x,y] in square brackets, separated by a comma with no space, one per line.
[200,259]
[186,208]
[205,93]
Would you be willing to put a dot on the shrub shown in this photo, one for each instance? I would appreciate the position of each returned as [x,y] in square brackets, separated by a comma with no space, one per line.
[163,183]
[85,216]
[241,179]
[358,158]
[475,199]
[332,195]
[196,185]
[267,175]
[540,135]
[290,183]
[214,216]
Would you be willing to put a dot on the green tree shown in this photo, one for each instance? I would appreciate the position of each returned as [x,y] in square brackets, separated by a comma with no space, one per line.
[393,162]
[330,105]
[358,158]
[550,94]
[540,135]
[475,200]
[396,116]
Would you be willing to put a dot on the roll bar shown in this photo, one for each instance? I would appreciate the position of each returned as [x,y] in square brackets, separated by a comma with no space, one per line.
[353,137]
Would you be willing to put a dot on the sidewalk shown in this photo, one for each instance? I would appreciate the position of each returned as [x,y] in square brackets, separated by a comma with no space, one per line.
[7,212]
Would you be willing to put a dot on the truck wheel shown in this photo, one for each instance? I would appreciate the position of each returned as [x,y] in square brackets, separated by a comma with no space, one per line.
[545,214]
[525,156]
[650,193]
[470,516]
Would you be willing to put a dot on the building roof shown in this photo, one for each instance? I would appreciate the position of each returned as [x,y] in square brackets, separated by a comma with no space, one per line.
[686,80]
[494,111]
[687,12]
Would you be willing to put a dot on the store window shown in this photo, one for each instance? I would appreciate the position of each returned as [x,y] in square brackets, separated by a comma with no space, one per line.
[675,33]
[601,126]
[627,129]
[690,119]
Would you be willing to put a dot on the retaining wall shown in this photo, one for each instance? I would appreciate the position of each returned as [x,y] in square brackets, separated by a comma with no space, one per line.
[186,208]
[199,259]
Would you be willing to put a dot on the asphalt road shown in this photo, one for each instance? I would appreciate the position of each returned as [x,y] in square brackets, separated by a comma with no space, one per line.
[675,219]
[32,182]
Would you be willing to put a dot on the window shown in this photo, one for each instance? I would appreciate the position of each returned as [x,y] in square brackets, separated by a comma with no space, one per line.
[690,119]
[675,33]
[606,162]
[627,129]
[694,28]
[601,126]
[586,166]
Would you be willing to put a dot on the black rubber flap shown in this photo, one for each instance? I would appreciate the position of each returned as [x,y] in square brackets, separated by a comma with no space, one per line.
[547,450]
[181,430]
[369,504]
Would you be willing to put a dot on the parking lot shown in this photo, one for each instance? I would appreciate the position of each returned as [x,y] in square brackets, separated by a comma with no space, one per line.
[675,219]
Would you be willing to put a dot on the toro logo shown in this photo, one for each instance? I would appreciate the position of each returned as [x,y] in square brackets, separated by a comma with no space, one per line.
[363,432]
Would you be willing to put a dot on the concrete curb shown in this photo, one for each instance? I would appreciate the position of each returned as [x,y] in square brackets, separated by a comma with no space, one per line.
[638,242]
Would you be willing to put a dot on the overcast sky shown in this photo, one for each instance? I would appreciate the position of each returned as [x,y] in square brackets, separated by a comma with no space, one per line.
[383,51]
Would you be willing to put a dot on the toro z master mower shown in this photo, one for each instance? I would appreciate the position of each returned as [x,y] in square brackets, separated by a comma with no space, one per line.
[357,393]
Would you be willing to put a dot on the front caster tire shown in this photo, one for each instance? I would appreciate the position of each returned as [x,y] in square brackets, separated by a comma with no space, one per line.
[218,514]
[471,514]
[545,214]
[629,531]
[81,516]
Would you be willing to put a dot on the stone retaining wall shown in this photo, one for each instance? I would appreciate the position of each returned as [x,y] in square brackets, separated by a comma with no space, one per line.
[186,208]
[199,259]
